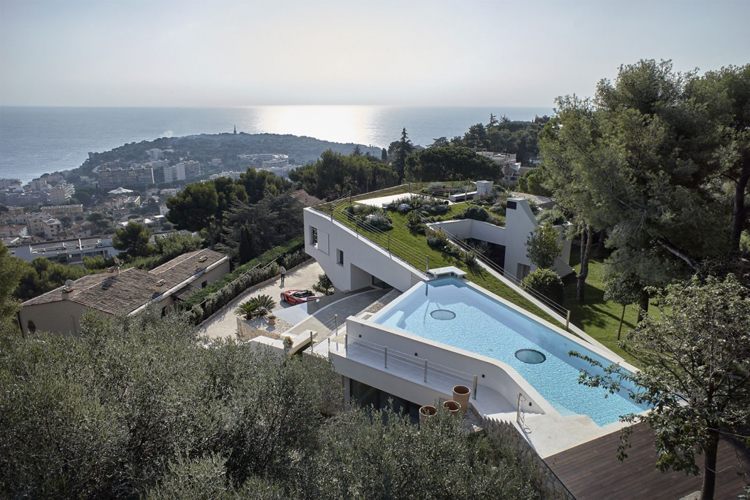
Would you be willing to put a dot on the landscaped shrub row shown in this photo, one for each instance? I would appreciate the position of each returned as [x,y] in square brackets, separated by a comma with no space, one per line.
[425,206]
[369,217]
[207,301]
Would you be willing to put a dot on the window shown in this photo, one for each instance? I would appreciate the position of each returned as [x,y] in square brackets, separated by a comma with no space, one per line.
[339,257]
[523,271]
[31,326]
[314,236]
[204,284]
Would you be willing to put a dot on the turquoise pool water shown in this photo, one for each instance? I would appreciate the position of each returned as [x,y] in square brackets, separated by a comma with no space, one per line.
[449,311]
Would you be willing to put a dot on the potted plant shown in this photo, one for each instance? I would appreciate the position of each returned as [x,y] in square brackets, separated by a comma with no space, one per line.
[461,395]
[271,320]
[426,412]
[453,407]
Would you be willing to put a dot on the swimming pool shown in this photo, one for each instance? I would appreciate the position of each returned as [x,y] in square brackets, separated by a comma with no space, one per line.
[451,312]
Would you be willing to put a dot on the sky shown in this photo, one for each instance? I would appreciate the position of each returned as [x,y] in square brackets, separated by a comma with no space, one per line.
[420,53]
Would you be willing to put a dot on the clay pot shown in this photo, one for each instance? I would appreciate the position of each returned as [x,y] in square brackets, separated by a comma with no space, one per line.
[426,412]
[453,407]
[461,395]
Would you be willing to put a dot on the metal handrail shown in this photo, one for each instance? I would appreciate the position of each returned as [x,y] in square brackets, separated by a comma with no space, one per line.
[395,354]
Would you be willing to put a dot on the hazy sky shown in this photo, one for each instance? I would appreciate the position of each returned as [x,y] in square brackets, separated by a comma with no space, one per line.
[242,52]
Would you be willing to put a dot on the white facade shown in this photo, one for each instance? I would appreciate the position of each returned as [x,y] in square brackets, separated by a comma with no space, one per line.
[351,261]
[520,222]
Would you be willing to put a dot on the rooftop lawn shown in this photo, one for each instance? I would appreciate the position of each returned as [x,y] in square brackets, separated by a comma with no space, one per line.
[413,248]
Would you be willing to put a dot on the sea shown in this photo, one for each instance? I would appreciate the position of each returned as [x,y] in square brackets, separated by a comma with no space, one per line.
[36,140]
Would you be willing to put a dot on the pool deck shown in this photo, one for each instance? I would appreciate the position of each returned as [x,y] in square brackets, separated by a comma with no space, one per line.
[592,470]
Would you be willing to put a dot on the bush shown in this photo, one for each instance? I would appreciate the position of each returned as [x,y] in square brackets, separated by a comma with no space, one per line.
[324,285]
[476,213]
[414,223]
[545,282]
[438,240]
[257,307]
[379,221]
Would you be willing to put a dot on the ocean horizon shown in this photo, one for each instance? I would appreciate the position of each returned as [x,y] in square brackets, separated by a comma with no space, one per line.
[36,140]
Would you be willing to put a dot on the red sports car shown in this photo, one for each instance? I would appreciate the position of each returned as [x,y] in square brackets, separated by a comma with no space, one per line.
[297,296]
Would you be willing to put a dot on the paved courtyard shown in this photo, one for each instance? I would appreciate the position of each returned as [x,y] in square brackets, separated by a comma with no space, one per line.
[223,324]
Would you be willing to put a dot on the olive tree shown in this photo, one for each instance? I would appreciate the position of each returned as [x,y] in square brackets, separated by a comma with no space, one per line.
[695,376]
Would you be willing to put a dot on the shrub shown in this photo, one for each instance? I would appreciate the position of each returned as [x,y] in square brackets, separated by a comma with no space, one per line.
[414,223]
[545,282]
[553,216]
[257,307]
[379,221]
[324,285]
[476,213]
[438,240]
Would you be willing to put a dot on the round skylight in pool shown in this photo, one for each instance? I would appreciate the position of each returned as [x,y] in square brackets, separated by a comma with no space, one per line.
[443,314]
[530,356]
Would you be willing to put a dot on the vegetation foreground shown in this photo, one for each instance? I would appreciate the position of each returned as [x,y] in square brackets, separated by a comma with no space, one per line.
[142,408]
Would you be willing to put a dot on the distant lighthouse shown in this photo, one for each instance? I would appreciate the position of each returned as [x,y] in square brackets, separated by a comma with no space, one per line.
[235,130]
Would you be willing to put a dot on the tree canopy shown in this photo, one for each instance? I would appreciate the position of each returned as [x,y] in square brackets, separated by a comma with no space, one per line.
[10,273]
[133,239]
[695,371]
[336,175]
[543,245]
[450,163]
[193,207]
[137,407]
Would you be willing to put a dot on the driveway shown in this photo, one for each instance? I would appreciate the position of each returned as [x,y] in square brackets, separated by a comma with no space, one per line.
[223,324]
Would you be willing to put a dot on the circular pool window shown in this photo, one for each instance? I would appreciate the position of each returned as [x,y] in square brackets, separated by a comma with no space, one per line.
[443,314]
[530,356]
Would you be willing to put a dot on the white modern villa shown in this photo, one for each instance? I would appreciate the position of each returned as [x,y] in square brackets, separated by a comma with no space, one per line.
[438,330]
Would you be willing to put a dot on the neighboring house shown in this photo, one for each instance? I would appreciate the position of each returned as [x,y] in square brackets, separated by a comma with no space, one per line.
[71,251]
[121,292]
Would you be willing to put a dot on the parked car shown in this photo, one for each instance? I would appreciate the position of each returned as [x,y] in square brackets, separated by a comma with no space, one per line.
[297,296]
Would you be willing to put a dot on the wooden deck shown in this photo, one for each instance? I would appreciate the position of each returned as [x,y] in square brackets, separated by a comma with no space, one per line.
[592,470]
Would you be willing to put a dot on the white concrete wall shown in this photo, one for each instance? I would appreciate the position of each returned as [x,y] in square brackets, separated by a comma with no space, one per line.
[362,258]
[520,222]
[492,373]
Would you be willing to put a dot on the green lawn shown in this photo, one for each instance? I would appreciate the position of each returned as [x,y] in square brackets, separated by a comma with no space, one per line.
[413,248]
[597,317]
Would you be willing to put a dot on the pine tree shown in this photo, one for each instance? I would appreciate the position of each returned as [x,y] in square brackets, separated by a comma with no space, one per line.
[245,249]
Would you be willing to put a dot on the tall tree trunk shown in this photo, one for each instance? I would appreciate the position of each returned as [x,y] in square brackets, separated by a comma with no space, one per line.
[585,254]
[643,305]
[709,465]
[622,318]
[739,211]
